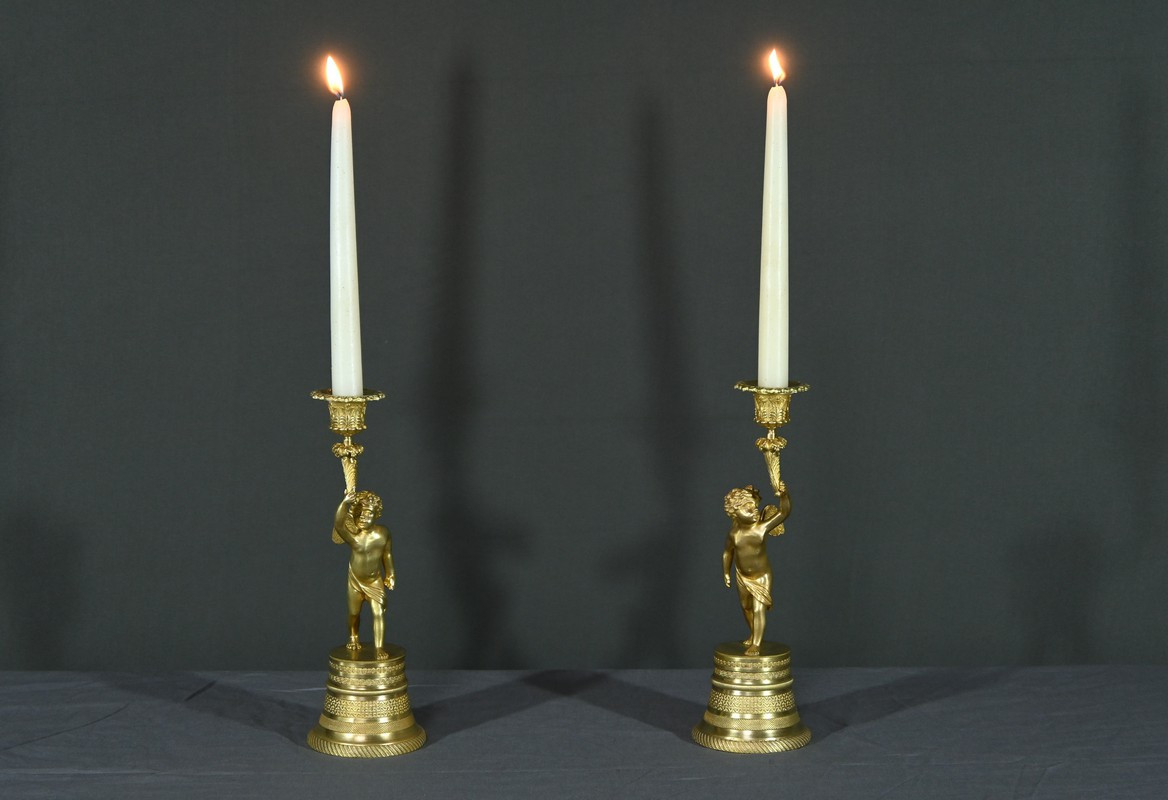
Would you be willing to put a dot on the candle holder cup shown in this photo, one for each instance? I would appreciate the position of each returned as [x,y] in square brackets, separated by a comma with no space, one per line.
[751,708]
[367,711]
[772,410]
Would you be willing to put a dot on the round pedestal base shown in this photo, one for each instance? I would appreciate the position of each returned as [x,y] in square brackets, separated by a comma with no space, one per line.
[752,708]
[367,711]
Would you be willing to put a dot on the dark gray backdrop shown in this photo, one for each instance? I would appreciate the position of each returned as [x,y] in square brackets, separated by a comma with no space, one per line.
[558,227]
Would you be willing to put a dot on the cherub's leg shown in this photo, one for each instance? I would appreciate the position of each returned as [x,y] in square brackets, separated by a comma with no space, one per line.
[756,630]
[746,599]
[355,600]
[378,610]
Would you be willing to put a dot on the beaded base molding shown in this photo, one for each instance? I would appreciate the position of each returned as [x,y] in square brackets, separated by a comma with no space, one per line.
[752,708]
[367,711]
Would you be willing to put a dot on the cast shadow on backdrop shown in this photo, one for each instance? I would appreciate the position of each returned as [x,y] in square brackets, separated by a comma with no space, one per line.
[653,561]
[480,537]
[1141,343]
[1060,571]
[42,615]
[1055,580]
[653,639]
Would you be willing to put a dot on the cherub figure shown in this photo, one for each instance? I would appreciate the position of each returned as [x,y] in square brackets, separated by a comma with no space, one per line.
[746,549]
[371,553]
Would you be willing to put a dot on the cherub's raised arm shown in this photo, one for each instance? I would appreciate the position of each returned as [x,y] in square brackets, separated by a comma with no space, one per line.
[340,528]
[772,521]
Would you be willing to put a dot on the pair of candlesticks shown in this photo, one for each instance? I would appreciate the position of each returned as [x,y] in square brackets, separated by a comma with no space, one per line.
[751,708]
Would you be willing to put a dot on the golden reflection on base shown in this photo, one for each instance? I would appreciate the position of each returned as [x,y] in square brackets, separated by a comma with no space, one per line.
[752,707]
[367,711]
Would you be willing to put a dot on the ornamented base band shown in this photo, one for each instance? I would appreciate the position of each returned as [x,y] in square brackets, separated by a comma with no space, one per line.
[751,707]
[367,710]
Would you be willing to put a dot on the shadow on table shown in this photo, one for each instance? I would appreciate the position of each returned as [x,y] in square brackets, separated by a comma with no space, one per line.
[223,700]
[442,718]
[639,703]
[453,715]
[825,717]
[456,714]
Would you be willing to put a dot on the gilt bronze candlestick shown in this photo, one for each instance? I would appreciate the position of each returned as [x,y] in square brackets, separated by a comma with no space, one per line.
[367,711]
[751,707]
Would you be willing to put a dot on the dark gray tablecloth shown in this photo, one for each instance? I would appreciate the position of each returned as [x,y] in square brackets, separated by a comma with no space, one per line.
[1082,732]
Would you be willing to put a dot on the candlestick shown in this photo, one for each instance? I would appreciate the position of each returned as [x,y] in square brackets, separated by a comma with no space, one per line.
[345,305]
[367,711]
[752,708]
[773,297]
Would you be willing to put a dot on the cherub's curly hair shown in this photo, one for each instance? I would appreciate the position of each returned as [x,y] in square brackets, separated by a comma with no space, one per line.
[741,498]
[367,499]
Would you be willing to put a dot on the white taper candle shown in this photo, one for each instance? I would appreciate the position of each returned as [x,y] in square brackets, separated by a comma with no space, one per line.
[773,312]
[345,305]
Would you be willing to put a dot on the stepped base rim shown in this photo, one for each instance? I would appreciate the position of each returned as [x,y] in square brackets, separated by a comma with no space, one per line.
[722,739]
[320,741]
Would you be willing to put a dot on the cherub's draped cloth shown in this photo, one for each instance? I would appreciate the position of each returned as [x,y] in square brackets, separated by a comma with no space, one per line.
[758,586]
[371,587]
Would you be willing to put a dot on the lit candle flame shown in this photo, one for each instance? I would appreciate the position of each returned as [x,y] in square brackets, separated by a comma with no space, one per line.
[335,85]
[776,70]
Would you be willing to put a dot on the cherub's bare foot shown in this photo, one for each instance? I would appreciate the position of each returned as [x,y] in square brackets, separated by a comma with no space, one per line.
[746,642]
[752,650]
[353,644]
[382,655]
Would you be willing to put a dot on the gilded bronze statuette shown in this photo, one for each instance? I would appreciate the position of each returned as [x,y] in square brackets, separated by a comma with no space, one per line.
[746,552]
[367,711]
[751,707]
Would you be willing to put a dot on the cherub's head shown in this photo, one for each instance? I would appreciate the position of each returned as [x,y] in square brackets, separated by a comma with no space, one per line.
[366,508]
[743,504]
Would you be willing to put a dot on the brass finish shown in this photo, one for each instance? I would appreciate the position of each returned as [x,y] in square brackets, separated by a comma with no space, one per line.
[751,707]
[366,711]
[746,550]
[347,417]
[371,552]
[772,409]
[347,414]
